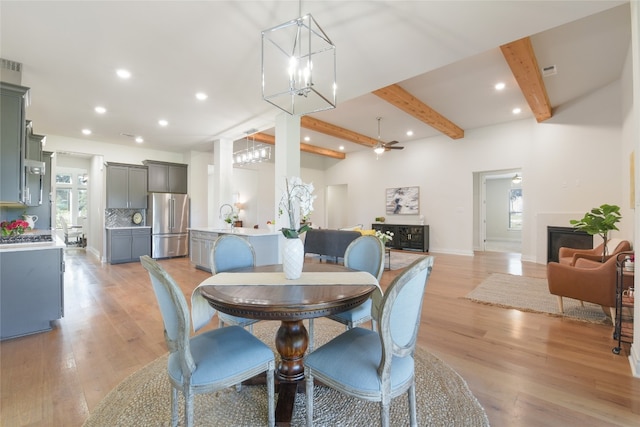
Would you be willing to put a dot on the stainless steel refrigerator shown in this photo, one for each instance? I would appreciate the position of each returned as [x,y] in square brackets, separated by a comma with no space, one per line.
[169,218]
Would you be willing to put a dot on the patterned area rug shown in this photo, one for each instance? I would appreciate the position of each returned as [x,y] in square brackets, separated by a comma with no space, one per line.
[532,294]
[143,399]
[400,260]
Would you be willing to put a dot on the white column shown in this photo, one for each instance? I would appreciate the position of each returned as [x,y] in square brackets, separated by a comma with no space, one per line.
[222,179]
[287,160]
[199,163]
[634,358]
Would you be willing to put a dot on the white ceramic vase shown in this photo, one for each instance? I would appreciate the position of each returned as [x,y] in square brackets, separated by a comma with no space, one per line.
[292,258]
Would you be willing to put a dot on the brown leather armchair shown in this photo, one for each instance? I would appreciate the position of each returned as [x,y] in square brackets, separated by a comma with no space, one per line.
[587,280]
[568,256]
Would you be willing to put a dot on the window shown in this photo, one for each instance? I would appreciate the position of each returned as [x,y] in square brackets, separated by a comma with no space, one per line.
[515,209]
[71,195]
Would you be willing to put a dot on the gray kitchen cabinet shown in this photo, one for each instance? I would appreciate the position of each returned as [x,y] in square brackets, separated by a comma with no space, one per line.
[126,186]
[166,177]
[31,291]
[128,244]
[140,243]
[35,168]
[12,142]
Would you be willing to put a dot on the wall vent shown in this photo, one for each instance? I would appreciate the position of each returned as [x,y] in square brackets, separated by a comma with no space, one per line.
[10,71]
[550,70]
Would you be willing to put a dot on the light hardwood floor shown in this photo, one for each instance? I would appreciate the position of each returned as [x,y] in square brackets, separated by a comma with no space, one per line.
[526,369]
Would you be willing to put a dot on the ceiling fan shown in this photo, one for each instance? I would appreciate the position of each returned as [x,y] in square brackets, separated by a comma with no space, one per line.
[381,147]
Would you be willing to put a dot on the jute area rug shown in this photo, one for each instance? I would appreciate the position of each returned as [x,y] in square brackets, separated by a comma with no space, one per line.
[532,294]
[143,399]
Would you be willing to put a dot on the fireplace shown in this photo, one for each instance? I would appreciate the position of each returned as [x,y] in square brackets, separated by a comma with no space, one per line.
[567,237]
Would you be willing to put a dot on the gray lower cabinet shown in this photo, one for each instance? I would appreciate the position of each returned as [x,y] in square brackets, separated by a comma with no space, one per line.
[127,244]
[200,245]
[31,291]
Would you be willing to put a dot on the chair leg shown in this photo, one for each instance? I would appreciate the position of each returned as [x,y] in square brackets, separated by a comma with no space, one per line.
[560,305]
[413,419]
[311,339]
[384,412]
[188,408]
[174,407]
[309,392]
[271,395]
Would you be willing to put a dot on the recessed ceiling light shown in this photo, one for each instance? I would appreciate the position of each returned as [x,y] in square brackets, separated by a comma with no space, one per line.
[201,96]
[100,110]
[123,74]
[500,86]
[409,133]
[307,139]
[163,122]
[86,131]
[341,148]
[139,139]
[516,110]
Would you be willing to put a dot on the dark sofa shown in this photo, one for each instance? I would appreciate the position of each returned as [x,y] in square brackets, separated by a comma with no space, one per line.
[330,243]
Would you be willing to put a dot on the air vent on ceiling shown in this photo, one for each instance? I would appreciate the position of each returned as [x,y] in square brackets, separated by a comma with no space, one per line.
[10,71]
[550,70]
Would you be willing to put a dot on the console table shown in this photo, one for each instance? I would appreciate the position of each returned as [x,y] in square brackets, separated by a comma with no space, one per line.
[413,237]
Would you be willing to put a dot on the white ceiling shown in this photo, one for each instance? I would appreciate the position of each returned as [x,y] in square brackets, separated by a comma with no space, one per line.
[445,53]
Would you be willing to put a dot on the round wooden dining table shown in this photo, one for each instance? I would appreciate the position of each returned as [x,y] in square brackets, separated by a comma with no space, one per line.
[289,302]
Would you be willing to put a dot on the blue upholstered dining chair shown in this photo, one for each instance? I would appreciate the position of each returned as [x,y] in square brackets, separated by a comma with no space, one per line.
[230,252]
[366,253]
[376,366]
[210,361]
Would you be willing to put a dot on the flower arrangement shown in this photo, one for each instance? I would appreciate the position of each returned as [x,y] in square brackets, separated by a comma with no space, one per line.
[11,228]
[297,202]
[384,237]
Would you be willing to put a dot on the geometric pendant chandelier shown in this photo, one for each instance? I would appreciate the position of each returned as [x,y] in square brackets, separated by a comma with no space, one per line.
[298,67]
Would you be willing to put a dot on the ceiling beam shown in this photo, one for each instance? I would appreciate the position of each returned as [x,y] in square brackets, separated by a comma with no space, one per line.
[307,148]
[411,105]
[337,131]
[524,66]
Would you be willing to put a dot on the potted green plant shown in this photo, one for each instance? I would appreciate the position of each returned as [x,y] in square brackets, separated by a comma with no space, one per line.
[600,221]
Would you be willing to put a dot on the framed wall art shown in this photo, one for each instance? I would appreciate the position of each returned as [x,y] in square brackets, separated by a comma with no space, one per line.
[403,201]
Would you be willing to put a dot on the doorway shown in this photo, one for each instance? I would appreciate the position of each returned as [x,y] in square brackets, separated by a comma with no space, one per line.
[498,210]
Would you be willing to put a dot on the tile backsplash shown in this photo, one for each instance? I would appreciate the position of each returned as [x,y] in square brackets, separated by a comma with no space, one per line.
[123,217]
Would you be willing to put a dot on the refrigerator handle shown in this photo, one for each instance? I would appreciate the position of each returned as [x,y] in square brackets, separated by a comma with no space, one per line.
[171,212]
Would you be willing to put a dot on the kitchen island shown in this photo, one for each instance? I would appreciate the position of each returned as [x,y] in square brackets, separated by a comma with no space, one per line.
[31,287]
[265,243]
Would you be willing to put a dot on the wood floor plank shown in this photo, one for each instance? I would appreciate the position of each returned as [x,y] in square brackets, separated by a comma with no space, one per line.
[526,369]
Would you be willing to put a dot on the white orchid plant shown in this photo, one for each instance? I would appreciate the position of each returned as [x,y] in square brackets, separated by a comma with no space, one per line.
[384,237]
[297,202]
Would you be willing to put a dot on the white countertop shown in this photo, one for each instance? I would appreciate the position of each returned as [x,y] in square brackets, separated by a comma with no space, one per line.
[133,227]
[241,231]
[17,247]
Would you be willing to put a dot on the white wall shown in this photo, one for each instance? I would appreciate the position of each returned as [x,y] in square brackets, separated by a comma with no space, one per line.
[570,164]
[631,140]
